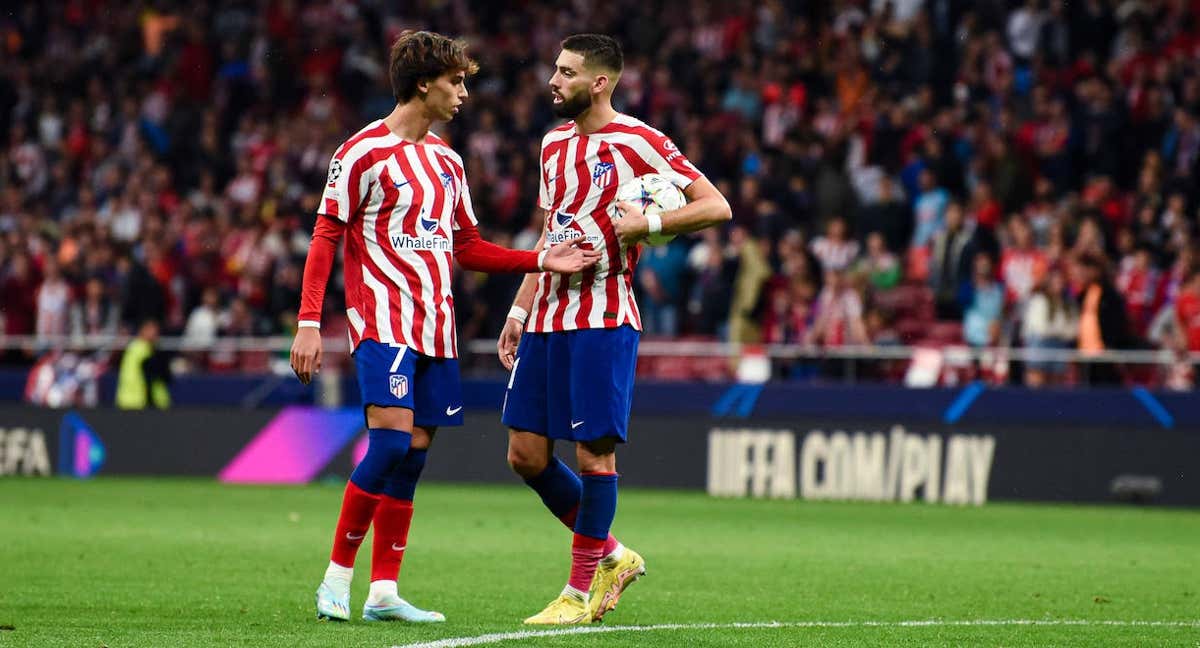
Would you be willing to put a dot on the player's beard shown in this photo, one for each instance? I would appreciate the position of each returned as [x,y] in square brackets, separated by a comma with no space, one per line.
[572,107]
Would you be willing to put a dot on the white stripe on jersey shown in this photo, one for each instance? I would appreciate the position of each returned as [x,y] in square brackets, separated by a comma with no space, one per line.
[356,321]
[441,259]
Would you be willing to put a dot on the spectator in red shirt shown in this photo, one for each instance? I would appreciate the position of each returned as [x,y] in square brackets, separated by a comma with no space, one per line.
[1187,310]
[1022,266]
[18,295]
[1140,284]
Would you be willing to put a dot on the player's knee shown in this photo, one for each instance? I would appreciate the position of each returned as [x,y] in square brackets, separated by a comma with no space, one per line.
[597,456]
[403,482]
[388,448]
[389,418]
[525,463]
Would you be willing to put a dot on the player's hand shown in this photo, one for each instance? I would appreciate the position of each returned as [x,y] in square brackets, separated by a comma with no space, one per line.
[510,337]
[306,354]
[632,226]
[568,258]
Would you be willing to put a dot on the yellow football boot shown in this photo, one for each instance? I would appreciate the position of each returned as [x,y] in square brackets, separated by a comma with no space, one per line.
[611,580]
[564,610]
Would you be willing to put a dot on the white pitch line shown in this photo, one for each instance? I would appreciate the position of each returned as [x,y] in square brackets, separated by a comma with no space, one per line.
[460,642]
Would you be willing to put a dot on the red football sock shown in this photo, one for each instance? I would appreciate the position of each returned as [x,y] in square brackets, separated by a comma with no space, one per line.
[586,553]
[392,520]
[610,543]
[357,508]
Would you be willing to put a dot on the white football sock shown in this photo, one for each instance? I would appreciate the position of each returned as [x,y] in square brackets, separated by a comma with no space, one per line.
[339,577]
[381,591]
[612,558]
[575,594]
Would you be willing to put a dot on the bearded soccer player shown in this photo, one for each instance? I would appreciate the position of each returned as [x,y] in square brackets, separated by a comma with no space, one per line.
[571,342]
[399,194]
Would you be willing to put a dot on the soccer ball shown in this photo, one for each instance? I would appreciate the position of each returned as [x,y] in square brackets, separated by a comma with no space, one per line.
[655,194]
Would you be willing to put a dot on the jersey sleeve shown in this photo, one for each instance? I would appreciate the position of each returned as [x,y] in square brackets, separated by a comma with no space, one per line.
[317,267]
[669,161]
[474,253]
[345,188]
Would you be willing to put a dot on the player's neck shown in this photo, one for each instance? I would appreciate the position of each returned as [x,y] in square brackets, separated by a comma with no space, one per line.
[409,121]
[595,118]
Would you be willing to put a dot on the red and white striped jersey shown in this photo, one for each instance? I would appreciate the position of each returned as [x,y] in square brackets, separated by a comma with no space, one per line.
[401,202]
[580,176]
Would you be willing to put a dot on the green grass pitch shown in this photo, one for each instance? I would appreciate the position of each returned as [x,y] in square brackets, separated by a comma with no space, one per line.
[116,562]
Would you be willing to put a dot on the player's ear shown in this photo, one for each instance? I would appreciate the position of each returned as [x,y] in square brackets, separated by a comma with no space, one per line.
[600,83]
[423,86]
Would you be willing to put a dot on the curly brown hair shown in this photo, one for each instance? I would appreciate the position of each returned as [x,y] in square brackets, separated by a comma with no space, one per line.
[424,56]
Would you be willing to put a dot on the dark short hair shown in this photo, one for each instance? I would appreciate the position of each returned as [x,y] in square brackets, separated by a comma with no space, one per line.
[597,50]
[424,56]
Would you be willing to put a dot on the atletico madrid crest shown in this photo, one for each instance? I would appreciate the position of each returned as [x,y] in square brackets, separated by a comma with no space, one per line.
[603,174]
[398,385]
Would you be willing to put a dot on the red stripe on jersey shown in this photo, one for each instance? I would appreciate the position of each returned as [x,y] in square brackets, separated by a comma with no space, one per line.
[379,130]
[439,203]
[640,166]
[582,186]
[408,225]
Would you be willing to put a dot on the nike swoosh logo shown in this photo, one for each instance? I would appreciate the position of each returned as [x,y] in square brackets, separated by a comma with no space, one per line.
[395,548]
[401,184]
[452,411]
[351,536]
[575,424]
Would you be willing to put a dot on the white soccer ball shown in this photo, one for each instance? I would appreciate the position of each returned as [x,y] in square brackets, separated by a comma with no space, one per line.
[655,194]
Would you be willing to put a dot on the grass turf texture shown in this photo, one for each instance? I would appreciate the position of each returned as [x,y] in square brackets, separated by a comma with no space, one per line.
[117,562]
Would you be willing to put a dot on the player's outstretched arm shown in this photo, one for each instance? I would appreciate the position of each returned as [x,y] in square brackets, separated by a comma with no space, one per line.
[474,253]
[306,348]
[706,207]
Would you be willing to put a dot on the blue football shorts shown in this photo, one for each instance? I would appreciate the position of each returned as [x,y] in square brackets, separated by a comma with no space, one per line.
[397,376]
[573,385]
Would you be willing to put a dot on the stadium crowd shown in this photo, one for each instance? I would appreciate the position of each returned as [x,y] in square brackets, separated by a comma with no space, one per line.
[901,171]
